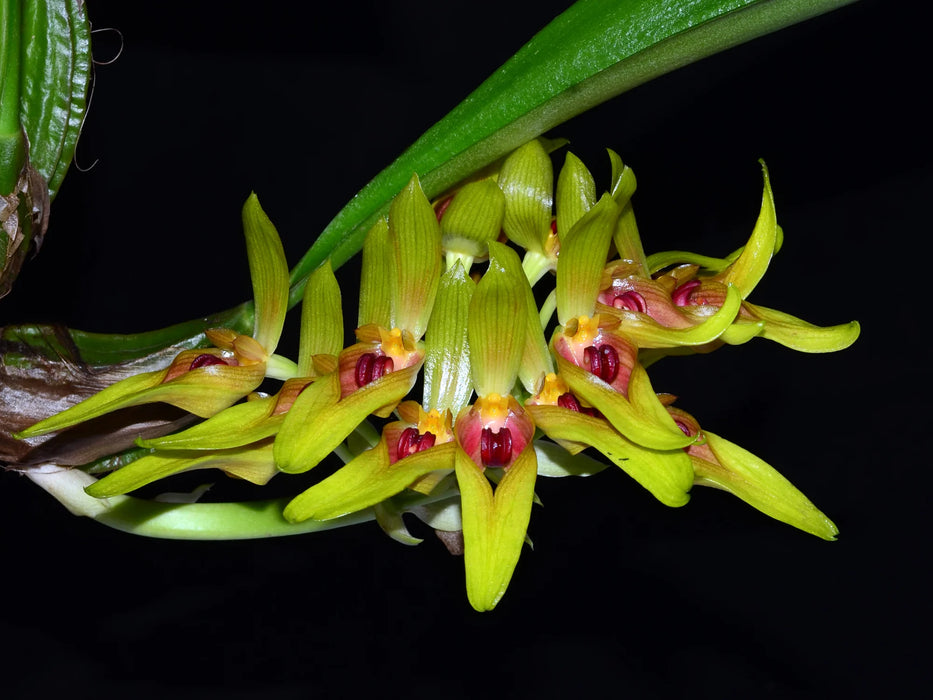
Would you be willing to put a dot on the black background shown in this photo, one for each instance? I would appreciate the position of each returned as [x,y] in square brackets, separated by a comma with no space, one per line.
[621,595]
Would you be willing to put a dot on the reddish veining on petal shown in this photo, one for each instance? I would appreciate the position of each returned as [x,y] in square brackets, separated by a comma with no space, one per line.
[631,301]
[681,295]
[372,366]
[206,360]
[603,361]
[495,449]
[410,442]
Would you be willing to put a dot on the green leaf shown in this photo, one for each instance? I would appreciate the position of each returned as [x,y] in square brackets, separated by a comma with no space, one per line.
[594,51]
[494,525]
[56,72]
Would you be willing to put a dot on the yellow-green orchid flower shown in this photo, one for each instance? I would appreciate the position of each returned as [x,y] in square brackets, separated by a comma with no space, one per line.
[417,451]
[206,381]
[495,433]
[683,297]
[401,270]
[594,355]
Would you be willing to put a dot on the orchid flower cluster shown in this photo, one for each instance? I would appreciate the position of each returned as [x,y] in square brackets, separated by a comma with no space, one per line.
[508,392]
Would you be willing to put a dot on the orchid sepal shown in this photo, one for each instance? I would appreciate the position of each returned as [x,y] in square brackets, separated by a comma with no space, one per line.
[269,273]
[298,449]
[239,425]
[448,380]
[321,318]
[365,481]
[377,277]
[415,234]
[497,342]
[471,220]
[203,391]
[639,418]
[753,480]
[750,267]
[583,252]
[527,182]
[494,524]
[666,474]
[800,335]
[253,463]
[575,194]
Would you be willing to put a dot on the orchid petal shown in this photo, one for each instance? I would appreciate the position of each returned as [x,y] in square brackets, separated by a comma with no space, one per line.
[448,382]
[269,272]
[667,474]
[583,252]
[639,420]
[761,486]
[494,525]
[317,423]
[365,481]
